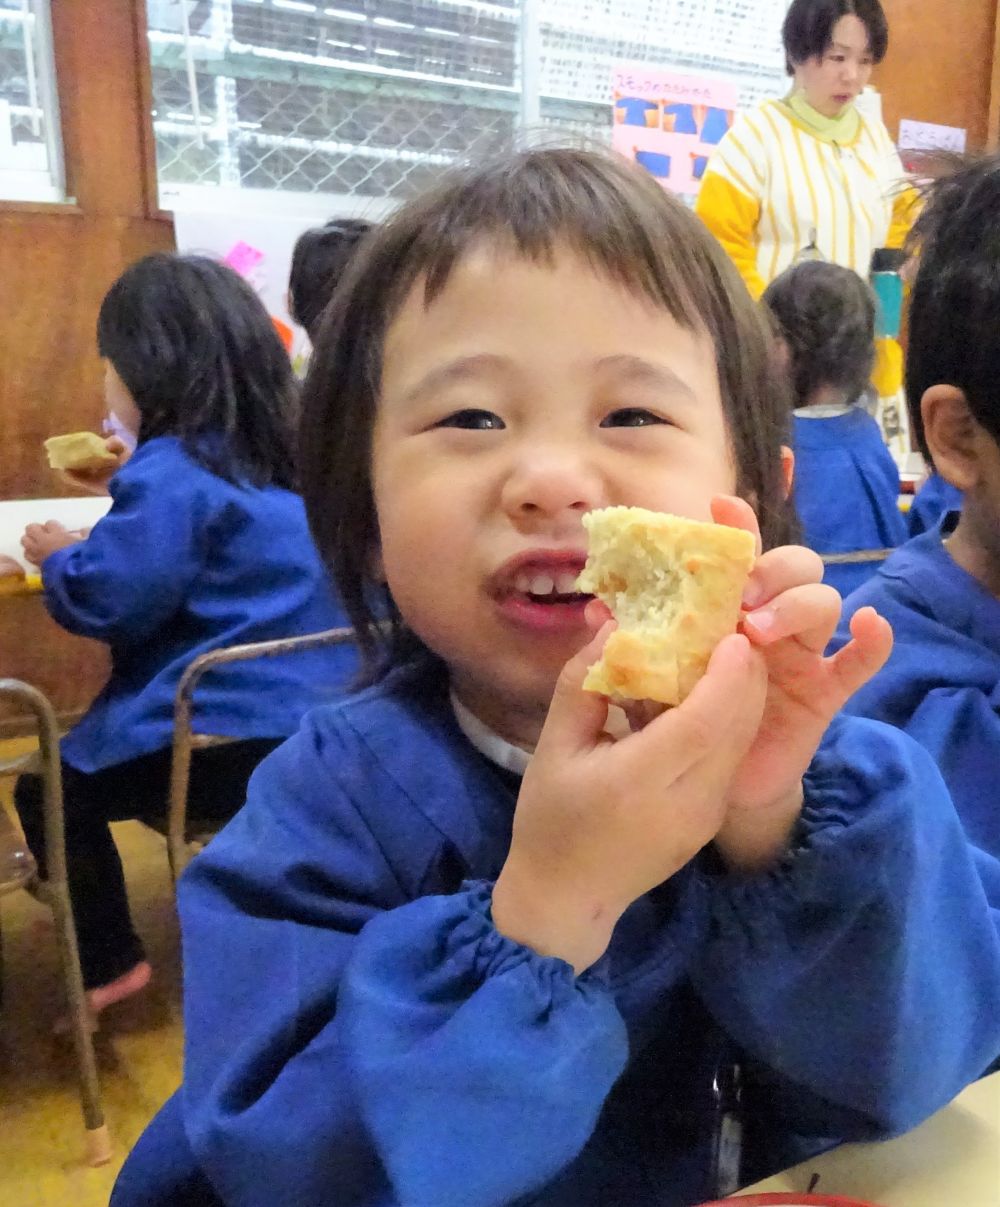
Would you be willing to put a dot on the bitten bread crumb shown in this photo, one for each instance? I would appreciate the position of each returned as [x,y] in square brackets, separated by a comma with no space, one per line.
[674,586]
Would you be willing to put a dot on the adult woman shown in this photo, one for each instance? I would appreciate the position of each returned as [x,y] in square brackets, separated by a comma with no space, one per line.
[810,173]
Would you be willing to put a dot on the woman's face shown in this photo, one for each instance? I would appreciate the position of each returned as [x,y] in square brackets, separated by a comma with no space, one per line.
[834,80]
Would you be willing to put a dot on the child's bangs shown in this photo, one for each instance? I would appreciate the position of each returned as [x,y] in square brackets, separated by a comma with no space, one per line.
[616,218]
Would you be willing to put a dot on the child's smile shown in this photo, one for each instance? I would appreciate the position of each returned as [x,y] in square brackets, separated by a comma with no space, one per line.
[523,397]
[537,590]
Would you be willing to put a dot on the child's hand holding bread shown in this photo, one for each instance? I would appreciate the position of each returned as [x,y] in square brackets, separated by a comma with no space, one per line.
[86,460]
[790,616]
[600,823]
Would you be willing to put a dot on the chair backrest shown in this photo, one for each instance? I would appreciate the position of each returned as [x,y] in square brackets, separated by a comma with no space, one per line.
[860,557]
[186,740]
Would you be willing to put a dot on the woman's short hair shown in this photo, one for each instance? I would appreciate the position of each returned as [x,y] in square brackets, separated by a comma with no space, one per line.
[825,316]
[809,24]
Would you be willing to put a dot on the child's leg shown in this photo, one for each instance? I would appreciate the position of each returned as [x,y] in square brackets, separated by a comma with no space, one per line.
[109,946]
[219,777]
[111,954]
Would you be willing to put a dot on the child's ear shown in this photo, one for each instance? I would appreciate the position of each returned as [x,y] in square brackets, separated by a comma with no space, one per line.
[787,468]
[953,435]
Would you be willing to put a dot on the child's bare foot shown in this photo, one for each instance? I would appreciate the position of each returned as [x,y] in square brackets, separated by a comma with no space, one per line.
[125,986]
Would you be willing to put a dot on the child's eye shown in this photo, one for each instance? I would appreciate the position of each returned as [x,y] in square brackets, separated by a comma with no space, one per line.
[473,420]
[632,417]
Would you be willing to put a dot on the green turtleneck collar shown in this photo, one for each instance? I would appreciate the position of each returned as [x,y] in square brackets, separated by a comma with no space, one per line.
[843,129]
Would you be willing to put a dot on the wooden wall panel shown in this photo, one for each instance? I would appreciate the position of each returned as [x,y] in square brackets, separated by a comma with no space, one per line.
[56,263]
[940,64]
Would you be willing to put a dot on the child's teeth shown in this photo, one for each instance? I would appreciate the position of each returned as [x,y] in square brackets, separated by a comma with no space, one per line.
[541,584]
[523,584]
[566,584]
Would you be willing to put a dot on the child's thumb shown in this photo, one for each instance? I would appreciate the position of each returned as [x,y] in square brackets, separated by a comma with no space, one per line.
[576,717]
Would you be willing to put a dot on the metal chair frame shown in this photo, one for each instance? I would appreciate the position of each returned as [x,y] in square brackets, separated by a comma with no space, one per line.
[861,557]
[53,891]
[179,834]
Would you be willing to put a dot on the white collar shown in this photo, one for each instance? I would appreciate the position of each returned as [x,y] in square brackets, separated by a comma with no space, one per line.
[824,410]
[497,749]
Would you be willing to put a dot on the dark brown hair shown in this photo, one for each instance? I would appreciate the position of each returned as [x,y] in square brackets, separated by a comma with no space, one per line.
[955,308]
[199,354]
[809,24]
[617,219]
[825,315]
[319,258]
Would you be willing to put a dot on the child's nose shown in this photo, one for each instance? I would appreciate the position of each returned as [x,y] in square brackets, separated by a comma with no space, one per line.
[549,484]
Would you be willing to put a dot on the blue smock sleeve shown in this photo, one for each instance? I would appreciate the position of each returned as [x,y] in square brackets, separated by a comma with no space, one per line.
[376,1048]
[867,966]
[134,571]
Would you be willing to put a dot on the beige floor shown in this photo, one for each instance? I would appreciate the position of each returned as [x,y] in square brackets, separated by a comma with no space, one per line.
[138,1048]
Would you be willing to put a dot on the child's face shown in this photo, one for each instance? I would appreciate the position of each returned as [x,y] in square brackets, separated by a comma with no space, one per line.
[524,397]
[119,401]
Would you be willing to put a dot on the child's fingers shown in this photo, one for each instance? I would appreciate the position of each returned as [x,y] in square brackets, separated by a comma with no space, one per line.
[576,718]
[809,613]
[718,720]
[597,614]
[866,654]
[736,513]
[780,570]
[640,713]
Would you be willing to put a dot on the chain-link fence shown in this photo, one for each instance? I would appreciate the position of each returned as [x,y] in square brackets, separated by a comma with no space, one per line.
[372,97]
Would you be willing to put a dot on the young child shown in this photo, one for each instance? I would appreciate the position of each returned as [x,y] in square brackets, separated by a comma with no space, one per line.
[846,482]
[942,591]
[319,259]
[206,545]
[461,947]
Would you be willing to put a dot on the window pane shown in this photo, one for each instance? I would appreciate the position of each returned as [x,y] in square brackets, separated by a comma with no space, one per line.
[31,167]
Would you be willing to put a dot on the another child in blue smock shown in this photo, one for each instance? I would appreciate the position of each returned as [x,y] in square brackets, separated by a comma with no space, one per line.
[462,947]
[206,545]
[932,502]
[846,482]
[942,591]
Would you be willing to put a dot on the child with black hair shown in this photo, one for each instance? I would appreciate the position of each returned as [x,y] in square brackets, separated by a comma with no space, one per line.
[463,947]
[941,592]
[319,259]
[846,483]
[206,545]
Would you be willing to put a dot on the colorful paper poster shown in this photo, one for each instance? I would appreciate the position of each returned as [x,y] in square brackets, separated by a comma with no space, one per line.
[670,123]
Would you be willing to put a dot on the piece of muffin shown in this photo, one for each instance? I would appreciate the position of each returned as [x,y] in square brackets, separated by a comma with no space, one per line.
[674,586]
[79,451]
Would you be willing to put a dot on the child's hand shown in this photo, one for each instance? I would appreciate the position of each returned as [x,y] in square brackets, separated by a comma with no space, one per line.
[40,541]
[792,619]
[599,823]
[95,481]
